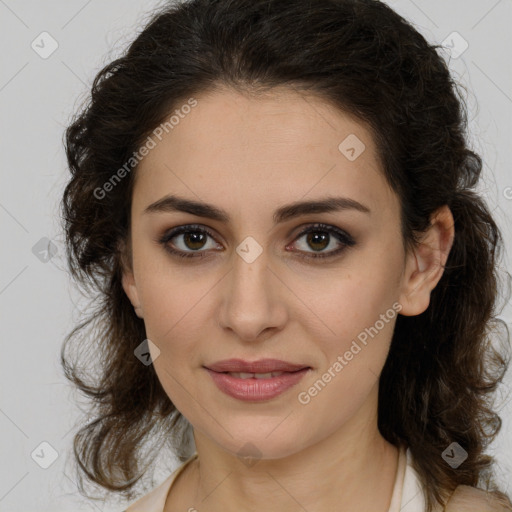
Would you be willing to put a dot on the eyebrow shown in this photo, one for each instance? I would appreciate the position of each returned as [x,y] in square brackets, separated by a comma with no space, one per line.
[173,203]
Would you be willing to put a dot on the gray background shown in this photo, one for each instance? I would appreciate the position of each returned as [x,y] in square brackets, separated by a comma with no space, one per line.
[39,305]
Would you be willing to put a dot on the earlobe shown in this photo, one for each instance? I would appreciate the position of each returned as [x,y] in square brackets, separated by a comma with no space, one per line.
[129,287]
[128,282]
[425,263]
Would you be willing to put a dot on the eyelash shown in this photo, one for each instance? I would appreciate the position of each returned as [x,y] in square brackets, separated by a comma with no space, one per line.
[341,236]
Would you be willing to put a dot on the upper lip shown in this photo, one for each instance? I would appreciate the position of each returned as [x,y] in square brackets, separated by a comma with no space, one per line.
[260,366]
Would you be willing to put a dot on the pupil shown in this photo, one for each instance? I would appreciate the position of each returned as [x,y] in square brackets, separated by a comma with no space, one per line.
[315,239]
[194,238]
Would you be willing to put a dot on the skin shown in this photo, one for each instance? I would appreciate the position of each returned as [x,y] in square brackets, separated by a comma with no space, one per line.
[250,155]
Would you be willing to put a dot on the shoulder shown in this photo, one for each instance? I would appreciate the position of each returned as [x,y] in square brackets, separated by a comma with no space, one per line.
[472,499]
[153,501]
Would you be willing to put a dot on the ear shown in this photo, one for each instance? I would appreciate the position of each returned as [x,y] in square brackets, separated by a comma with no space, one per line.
[128,278]
[424,265]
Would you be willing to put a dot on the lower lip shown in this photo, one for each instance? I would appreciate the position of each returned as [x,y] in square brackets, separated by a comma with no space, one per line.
[256,390]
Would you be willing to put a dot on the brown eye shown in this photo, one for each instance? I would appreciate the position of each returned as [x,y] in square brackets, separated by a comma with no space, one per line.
[319,237]
[191,239]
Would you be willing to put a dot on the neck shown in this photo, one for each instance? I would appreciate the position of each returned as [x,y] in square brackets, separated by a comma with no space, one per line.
[352,469]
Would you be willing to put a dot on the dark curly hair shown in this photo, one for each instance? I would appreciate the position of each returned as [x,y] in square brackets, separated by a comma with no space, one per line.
[364,59]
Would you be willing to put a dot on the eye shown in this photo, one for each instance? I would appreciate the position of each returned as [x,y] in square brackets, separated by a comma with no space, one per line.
[319,237]
[193,241]
[193,237]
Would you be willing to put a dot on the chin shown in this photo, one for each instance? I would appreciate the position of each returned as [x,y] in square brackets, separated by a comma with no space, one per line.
[262,441]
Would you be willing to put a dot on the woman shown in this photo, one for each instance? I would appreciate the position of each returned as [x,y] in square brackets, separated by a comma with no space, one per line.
[275,203]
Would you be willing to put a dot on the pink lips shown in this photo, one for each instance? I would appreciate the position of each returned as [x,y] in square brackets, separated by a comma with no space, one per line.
[253,389]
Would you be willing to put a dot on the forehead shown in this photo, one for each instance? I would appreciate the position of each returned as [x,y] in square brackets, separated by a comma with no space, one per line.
[278,147]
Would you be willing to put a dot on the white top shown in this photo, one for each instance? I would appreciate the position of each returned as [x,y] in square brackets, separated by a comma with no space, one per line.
[407,492]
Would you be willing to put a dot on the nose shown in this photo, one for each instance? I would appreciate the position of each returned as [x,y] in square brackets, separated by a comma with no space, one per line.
[253,304]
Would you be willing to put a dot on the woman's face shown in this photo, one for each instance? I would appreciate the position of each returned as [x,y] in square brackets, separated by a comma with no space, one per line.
[253,288]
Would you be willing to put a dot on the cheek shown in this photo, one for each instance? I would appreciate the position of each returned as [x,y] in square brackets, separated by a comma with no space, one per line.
[175,316]
[360,311]
[354,305]
[363,324]
[174,296]
[174,320]
[353,359]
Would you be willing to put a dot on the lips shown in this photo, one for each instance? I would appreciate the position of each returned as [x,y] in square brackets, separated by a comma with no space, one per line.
[256,381]
[263,366]
[246,375]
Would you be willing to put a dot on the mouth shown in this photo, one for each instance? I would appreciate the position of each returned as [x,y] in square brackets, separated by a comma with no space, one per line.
[257,381]
[244,375]
[260,367]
